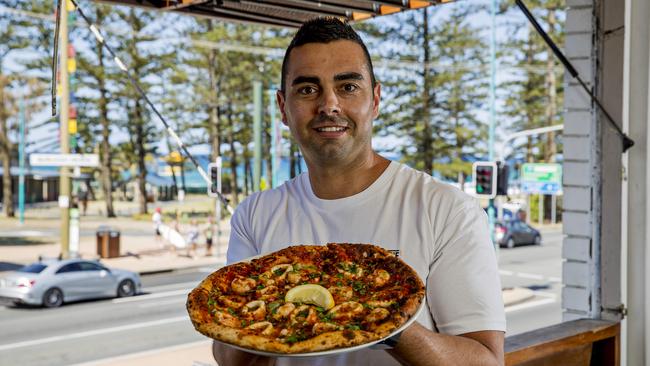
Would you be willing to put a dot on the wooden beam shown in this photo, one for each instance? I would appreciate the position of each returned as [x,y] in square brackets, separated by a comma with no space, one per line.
[576,342]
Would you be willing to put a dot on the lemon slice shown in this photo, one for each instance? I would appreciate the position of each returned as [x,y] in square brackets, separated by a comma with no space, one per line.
[311,294]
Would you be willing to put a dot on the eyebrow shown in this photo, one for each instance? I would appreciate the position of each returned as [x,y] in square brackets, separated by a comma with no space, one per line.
[338,77]
[348,76]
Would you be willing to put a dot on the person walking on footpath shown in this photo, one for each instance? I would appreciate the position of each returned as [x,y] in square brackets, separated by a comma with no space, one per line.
[156,218]
[350,194]
[208,232]
[192,239]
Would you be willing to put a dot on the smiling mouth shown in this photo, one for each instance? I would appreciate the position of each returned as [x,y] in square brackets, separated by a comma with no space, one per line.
[331,129]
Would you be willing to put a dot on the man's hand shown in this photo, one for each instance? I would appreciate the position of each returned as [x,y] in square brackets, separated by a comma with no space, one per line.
[420,346]
[228,356]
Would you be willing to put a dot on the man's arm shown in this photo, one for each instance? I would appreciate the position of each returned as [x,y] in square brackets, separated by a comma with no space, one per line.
[419,346]
[227,356]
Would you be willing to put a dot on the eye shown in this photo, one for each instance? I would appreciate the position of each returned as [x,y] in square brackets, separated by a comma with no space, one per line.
[350,88]
[307,90]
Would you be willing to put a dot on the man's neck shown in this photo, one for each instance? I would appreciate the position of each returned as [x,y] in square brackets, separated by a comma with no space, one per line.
[345,181]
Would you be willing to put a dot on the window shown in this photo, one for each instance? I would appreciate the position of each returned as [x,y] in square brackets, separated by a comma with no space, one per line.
[33,268]
[71,267]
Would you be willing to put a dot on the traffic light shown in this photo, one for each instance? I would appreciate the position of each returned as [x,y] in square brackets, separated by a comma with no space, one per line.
[213,189]
[485,178]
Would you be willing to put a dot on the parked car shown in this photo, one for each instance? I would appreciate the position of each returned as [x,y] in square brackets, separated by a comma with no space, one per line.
[515,232]
[52,282]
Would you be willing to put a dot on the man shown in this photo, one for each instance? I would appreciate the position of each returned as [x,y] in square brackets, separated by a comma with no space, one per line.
[328,99]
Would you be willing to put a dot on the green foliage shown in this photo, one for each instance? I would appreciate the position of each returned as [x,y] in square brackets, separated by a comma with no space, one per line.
[433,106]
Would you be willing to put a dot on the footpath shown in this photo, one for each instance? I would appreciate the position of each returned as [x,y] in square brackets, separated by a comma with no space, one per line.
[140,252]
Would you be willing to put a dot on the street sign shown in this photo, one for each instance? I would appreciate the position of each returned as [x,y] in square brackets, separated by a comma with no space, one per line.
[91,160]
[541,178]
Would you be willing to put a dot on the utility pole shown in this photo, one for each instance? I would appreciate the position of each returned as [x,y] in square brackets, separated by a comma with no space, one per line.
[64,175]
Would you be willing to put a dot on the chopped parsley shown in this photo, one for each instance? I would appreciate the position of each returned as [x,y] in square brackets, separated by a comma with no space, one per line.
[255,277]
[273,307]
[232,312]
[359,286]
[353,327]
[259,287]
[278,271]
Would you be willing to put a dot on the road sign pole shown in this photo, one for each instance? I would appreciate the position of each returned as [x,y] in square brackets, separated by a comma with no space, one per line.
[21,163]
[64,109]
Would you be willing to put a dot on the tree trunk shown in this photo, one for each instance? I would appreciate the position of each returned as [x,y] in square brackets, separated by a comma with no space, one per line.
[141,153]
[248,175]
[427,133]
[551,107]
[293,161]
[234,189]
[5,154]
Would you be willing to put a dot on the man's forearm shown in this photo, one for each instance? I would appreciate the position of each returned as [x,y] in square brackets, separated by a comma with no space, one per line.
[420,346]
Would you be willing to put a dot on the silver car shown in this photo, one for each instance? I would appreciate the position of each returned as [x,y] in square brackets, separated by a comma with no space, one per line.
[52,282]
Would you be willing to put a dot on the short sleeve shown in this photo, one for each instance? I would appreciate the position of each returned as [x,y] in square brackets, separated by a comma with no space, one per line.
[241,244]
[463,285]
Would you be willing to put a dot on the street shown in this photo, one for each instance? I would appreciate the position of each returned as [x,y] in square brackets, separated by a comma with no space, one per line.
[103,329]
[91,330]
[538,268]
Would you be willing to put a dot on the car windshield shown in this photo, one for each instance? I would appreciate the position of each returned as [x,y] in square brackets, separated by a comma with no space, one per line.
[33,268]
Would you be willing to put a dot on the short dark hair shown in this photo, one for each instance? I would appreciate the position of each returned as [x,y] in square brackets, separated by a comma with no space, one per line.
[324,30]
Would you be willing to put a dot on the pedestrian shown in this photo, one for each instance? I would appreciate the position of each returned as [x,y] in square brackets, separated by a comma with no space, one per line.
[209,232]
[83,198]
[156,218]
[192,239]
[350,194]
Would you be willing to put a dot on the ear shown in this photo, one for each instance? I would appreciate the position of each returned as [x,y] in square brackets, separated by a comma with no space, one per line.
[279,96]
[375,99]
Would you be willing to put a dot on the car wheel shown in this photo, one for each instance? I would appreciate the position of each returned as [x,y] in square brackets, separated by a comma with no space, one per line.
[53,298]
[510,243]
[126,288]
[538,240]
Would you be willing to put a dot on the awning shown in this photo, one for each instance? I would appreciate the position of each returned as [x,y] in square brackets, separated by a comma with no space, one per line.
[284,13]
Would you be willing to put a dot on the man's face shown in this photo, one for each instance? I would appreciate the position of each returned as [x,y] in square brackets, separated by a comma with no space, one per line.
[329,103]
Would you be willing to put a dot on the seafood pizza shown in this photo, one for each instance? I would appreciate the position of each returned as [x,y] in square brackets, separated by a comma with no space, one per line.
[307,298]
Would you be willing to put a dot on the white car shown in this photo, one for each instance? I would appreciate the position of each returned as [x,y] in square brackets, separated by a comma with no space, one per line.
[52,282]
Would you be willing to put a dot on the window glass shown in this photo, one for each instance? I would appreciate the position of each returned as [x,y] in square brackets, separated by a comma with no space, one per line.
[33,268]
[89,266]
[71,267]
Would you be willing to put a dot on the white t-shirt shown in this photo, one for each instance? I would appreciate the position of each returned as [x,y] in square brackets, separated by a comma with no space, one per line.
[439,231]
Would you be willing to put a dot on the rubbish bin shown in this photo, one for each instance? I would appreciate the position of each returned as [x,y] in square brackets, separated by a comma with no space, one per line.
[108,242]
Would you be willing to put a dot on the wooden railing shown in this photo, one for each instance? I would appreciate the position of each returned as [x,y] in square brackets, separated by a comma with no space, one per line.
[585,342]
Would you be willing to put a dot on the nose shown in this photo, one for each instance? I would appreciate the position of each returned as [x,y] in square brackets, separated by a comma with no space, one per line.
[329,103]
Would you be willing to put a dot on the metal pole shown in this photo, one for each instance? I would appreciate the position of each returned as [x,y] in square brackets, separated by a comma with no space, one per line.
[491,209]
[64,179]
[257,134]
[21,164]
